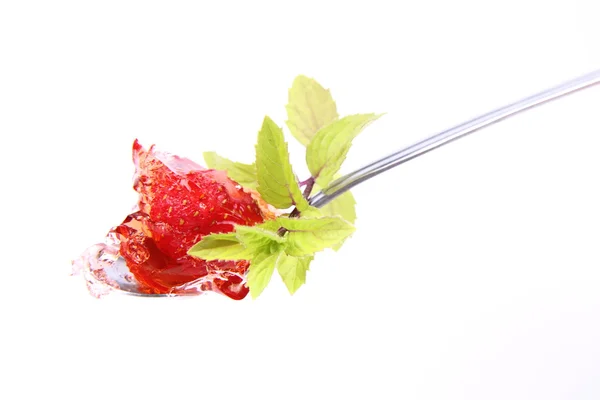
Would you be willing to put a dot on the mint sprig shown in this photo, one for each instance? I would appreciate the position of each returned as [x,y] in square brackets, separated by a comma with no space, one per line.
[291,254]
[289,243]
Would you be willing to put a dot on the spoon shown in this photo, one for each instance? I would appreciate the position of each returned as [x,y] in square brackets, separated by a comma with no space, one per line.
[352,179]
[120,279]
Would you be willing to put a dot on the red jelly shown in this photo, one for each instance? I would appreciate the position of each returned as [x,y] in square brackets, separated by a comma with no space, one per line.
[180,202]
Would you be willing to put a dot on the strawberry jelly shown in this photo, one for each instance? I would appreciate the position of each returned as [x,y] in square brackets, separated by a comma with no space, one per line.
[179,203]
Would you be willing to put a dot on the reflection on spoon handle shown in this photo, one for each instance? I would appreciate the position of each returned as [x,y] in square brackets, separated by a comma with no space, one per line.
[344,183]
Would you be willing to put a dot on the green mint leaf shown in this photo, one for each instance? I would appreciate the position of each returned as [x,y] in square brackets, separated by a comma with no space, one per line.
[260,239]
[276,181]
[221,246]
[307,236]
[310,107]
[312,212]
[260,272]
[342,206]
[269,225]
[327,150]
[244,174]
[293,271]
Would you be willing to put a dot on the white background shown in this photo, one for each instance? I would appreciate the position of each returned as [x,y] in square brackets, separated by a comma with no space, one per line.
[474,272]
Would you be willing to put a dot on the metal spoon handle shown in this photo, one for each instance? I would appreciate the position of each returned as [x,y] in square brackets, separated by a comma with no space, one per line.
[346,182]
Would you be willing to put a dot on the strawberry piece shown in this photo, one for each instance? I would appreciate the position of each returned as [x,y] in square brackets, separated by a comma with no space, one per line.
[180,202]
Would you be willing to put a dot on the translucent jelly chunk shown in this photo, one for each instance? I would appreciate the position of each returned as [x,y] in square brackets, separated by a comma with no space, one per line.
[180,202]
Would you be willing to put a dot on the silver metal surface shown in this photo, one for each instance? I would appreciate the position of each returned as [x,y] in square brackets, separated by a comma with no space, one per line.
[347,182]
